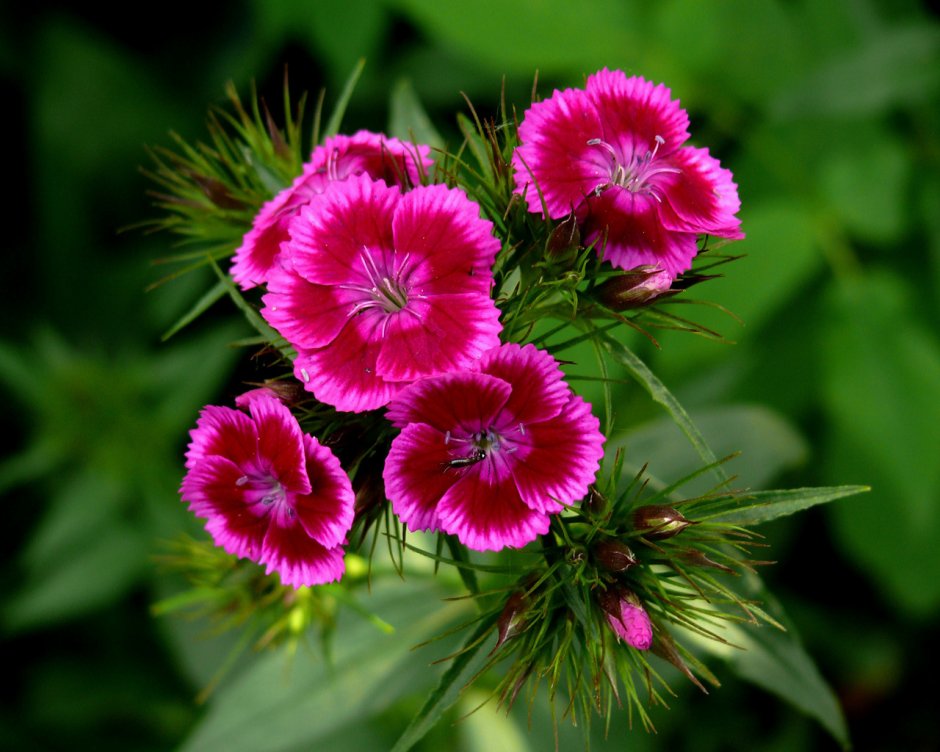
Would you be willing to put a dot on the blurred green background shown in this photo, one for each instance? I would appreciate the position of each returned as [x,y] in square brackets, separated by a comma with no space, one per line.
[828,113]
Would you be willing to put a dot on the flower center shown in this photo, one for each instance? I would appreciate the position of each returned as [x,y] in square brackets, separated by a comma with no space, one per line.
[636,175]
[384,289]
[264,490]
[482,445]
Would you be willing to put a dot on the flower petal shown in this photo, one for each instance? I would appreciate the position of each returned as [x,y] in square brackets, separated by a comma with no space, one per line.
[306,315]
[281,442]
[439,335]
[451,247]
[326,513]
[539,390]
[298,559]
[327,238]
[628,232]
[344,374]
[634,112]
[703,198]
[487,515]
[225,432]
[460,403]
[212,492]
[554,156]
[558,458]
[416,475]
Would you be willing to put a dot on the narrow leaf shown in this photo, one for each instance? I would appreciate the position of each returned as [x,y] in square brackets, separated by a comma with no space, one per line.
[658,391]
[763,506]
[461,670]
[336,119]
[200,307]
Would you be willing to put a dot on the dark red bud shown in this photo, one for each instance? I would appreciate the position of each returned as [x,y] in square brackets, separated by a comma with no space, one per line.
[565,240]
[614,556]
[633,288]
[658,521]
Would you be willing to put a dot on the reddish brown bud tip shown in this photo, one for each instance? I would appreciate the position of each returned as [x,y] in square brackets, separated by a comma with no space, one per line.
[564,241]
[614,556]
[658,521]
[633,288]
[512,618]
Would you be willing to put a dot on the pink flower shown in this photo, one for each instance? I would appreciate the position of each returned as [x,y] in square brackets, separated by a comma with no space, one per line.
[627,618]
[487,455]
[613,154]
[269,492]
[372,154]
[381,288]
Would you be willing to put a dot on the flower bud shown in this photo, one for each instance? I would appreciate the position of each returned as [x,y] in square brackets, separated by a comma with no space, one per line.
[614,556]
[697,558]
[512,617]
[658,521]
[627,617]
[564,241]
[634,288]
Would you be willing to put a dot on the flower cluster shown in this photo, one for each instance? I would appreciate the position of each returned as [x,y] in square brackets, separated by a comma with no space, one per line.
[420,313]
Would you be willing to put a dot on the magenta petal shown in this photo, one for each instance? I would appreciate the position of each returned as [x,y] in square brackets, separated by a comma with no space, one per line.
[416,475]
[465,402]
[451,248]
[326,513]
[634,234]
[344,374]
[554,154]
[634,112]
[306,315]
[212,493]
[442,334]
[633,627]
[222,431]
[298,559]
[558,458]
[281,442]
[703,198]
[327,238]
[487,515]
[545,391]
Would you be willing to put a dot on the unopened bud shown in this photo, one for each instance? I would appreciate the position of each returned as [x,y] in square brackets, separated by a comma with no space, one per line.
[614,556]
[564,242]
[658,521]
[634,288]
[512,618]
[627,617]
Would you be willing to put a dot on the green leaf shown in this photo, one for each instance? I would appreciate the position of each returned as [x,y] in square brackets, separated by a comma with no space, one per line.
[777,661]
[881,390]
[295,701]
[893,67]
[527,35]
[871,209]
[461,670]
[486,727]
[408,119]
[660,394]
[205,302]
[336,119]
[768,445]
[763,506]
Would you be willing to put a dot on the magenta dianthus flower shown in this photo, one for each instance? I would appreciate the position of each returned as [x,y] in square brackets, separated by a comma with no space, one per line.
[269,492]
[612,153]
[380,288]
[487,455]
[364,153]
